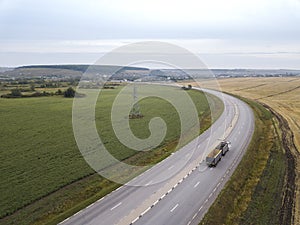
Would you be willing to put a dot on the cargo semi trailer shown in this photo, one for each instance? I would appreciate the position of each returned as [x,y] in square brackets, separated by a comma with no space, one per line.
[216,155]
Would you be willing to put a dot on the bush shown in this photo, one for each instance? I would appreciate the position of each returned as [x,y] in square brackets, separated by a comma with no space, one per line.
[16,92]
[69,93]
[59,92]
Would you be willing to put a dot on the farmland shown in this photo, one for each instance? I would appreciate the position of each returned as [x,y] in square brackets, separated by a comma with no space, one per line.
[281,96]
[43,175]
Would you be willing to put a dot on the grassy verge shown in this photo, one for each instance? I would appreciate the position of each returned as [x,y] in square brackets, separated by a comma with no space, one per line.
[44,178]
[253,195]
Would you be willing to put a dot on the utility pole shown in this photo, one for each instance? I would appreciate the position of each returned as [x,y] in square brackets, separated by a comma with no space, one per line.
[135,111]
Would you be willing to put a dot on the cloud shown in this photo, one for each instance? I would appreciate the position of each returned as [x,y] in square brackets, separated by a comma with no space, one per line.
[91,19]
[214,28]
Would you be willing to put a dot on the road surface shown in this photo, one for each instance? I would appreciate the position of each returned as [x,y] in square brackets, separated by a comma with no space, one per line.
[191,187]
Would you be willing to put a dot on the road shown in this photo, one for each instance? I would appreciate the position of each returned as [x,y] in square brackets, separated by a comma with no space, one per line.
[191,187]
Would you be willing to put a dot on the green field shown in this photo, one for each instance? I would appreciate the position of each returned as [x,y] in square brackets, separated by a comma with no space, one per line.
[43,176]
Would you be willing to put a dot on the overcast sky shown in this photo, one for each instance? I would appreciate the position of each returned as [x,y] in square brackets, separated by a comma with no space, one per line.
[225,34]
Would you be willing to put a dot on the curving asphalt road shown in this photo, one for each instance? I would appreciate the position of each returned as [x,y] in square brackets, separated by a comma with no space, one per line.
[192,187]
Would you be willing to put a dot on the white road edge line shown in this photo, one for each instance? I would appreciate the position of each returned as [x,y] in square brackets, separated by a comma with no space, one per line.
[64,220]
[136,219]
[143,213]
[100,199]
[77,213]
[194,216]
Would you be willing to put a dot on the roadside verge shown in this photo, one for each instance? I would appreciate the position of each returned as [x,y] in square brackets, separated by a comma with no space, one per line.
[261,190]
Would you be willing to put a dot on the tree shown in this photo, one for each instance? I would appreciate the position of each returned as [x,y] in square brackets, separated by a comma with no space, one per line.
[32,87]
[59,92]
[69,93]
[16,92]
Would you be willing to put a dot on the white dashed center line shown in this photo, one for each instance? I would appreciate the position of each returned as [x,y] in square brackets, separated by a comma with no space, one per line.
[170,167]
[117,205]
[174,208]
[196,184]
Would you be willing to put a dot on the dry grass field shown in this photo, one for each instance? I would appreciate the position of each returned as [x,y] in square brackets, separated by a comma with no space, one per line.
[282,94]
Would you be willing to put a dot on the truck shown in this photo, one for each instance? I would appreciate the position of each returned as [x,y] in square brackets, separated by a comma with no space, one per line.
[216,154]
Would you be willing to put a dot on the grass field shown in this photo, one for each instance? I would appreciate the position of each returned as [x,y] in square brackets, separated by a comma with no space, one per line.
[282,95]
[43,175]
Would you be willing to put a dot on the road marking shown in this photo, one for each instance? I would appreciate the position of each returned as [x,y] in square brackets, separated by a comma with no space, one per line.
[155,202]
[77,213]
[170,167]
[196,184]
[143,213]
[174,208]
[136,219]
[194,216]
[210,195]
[119,188]
[117,205]
[100,199]
[90,206]
[206,168]
[64,220]
[149,183]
